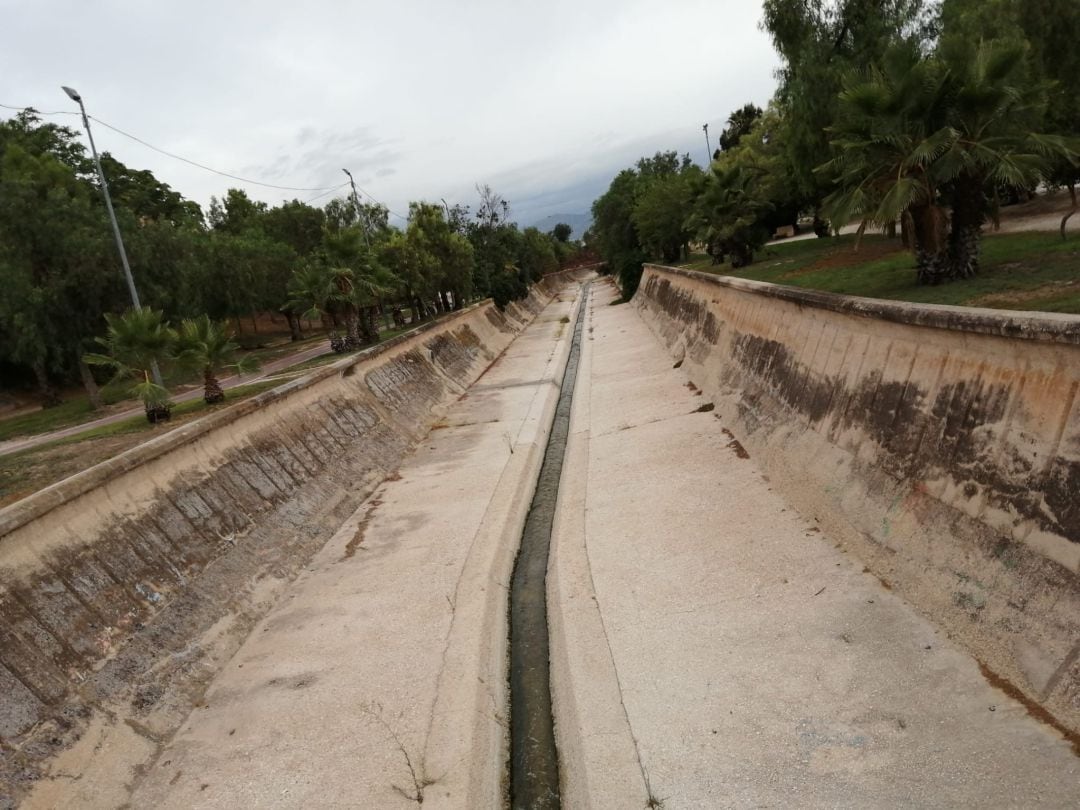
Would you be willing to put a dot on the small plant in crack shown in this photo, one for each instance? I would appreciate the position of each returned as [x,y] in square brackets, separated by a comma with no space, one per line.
[652,802]
[420,780]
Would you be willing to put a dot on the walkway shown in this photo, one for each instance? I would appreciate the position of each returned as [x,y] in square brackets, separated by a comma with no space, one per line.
[271,368]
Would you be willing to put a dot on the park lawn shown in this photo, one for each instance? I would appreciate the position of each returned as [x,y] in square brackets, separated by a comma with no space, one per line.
[76,409]
[29,470]
[1020,271]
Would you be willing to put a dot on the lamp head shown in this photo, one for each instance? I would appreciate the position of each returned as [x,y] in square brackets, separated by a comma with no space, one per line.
[72,94]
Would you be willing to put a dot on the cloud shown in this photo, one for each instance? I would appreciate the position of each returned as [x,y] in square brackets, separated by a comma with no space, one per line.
[419,99]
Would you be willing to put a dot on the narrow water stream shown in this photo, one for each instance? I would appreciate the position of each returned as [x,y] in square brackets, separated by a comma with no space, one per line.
[534,762]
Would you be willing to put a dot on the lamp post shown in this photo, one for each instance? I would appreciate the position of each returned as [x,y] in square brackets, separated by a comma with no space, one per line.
[74,96]
[708,147]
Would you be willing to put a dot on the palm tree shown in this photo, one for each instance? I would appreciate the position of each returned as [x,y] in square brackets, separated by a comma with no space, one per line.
[132,344]
[318,291]
[206,346]
[890,131]
[920,134]
[992,108]
[360,279]
[728,214]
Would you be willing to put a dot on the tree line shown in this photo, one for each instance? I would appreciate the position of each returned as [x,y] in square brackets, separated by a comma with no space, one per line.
[342,265]
[920,118]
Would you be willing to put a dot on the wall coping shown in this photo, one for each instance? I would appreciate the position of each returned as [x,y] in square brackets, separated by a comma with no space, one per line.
[1048,327]
[33,506]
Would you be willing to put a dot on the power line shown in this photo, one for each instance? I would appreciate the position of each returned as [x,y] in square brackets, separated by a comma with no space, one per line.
[388,209]
[175,156]
[325,190]
[39,112]
[207,168]
[320,196]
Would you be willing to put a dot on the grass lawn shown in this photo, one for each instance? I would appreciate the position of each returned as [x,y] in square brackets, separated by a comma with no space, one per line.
[1020,271]
[76,409]
[30,470]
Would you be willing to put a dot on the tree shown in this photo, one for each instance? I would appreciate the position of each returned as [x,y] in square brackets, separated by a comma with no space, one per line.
[615,234]
[739,123]
[993,111]
[821,42]
[236,212]
[663,206]
[205,346]
[537,257]
[561,232]
[133,343]
[745,196]
[923,133]
[496,244]
[146,197]
[59,269]
[317,290]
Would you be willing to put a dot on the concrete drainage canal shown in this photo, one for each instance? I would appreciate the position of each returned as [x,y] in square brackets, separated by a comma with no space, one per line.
[534,764]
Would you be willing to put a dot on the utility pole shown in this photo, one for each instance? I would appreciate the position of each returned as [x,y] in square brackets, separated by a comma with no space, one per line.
[74,96]
[708,147]
[356,202]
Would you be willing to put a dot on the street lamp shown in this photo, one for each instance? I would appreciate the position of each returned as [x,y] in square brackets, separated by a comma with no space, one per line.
[74,96]
[708,147]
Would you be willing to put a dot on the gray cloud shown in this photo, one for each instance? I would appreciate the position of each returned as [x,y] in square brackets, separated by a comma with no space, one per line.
[420,99]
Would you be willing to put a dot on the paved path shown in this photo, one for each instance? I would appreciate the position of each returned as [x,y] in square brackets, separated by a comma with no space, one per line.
[712,649]
[15,445]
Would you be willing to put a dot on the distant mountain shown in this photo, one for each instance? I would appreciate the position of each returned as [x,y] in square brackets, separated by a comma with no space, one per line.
[579,222]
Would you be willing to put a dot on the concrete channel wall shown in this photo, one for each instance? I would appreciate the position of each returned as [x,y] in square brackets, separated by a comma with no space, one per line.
[123,588]
[943,444]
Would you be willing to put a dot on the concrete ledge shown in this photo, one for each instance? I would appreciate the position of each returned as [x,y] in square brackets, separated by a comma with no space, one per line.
[1044,326]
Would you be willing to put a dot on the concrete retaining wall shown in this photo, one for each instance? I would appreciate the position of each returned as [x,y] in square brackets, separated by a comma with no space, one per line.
[943,444]
[123,588]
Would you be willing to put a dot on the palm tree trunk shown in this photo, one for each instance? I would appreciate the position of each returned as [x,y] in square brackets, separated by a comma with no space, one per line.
[1075,207]
[931,259]
[49,396]
[295,331]
[369,324]
[91,386]
[352,327]
[970,206]
[212,391]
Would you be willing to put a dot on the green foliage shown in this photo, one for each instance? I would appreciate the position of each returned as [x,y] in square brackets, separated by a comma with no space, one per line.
[133,343]
[538,256]
[739,123]
[821,42]
[205,346]
[731,213]
[60,273]
[925,132]
[614,233]
[663,205]
[561,232]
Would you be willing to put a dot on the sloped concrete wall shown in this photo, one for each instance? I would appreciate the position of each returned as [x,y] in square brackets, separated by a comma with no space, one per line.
[942,442]
[123,588]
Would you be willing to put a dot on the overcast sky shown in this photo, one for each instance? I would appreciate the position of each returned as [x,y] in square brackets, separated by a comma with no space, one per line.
[420,100]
